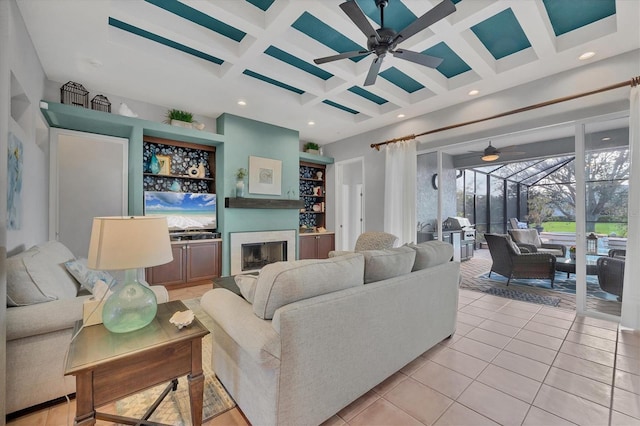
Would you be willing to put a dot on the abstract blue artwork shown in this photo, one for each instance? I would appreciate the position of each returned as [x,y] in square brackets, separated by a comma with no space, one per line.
[14,183]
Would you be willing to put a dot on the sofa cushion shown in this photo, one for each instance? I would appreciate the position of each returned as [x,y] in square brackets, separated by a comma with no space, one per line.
[88,277]
[431,253]
[382,264]
[38,275]
[247,285]
[282,283]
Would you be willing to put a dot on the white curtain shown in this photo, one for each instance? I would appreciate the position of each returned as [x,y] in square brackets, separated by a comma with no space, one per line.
[400,190]
[631,288]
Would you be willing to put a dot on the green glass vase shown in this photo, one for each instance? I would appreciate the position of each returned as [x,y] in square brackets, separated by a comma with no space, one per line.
[131,307]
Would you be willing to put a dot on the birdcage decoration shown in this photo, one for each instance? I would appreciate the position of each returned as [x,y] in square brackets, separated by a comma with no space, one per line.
[101,103]
[74,94]
[592,243]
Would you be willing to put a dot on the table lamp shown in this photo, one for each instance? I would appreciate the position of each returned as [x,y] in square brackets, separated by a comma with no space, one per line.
[129,243]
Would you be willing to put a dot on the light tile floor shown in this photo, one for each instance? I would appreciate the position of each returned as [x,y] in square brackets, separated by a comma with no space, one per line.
[509,363]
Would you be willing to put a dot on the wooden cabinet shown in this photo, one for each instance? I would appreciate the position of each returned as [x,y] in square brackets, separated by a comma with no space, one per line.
[312,193]
[316,246]
[192,261]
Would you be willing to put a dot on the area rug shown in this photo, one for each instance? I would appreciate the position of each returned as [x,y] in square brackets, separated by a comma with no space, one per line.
[525,297]
[175,408]
[561,284]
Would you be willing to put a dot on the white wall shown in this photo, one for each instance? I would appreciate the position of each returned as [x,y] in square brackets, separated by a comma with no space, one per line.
[589,77]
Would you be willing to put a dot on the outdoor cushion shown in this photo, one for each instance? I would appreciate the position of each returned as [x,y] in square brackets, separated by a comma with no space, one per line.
[513,245]
[431,253]
[281,283]
[383,264]
[526,236]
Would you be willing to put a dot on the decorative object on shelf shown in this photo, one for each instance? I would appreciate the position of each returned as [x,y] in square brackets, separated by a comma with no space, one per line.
[312,148]
[175,186]
[572,252]
[240,174]
[182,319]
[176,117]
[201,171]
[165,164]
[317,191]
[124,110]
[74,94]
[265,176]
[129,243]
[192,171]
[198,125]
[319,175]
[317,208]
[592,243]
[101,103]
[154,164]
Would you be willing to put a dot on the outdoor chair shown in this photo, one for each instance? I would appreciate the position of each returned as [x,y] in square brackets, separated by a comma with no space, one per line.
[509,261]
[530,239]
[621,253]
[611,275]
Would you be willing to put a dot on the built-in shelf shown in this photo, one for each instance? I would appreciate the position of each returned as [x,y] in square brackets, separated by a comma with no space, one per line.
[178,177]
[262,203]
[317,159]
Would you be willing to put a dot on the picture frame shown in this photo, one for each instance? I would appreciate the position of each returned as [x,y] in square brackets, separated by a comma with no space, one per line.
[165,164]
[265,176]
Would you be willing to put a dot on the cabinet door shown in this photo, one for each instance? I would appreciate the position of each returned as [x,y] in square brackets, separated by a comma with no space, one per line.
[202,261]
[308,247]
[172,272]
[326,243]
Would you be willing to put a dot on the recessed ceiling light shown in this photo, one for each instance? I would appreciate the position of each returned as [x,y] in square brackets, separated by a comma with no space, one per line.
[311,123]
[242,103]
[400,115]
[587,55]
[473,92]
[606,138]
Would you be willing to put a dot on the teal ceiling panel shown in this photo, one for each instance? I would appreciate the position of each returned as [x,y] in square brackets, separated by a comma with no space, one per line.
[272,81]
[297,62]
[323,33]
[567,16]
[396,14]
[400,79]
[164,41]
[262,4]
[367,95]
[452,64]
[501,34]
[342,107]
[199,18]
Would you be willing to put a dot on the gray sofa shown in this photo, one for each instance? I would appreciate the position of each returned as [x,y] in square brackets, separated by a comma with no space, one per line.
[43,306]
[321,333]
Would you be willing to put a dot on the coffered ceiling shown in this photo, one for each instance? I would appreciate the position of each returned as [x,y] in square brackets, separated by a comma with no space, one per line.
[206,55]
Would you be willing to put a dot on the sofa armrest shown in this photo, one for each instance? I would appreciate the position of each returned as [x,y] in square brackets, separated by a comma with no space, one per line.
[41,318]
[235,316]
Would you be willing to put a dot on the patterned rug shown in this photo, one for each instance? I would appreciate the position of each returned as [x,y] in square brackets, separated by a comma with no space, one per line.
[525,297]
[174,409]
[561,284]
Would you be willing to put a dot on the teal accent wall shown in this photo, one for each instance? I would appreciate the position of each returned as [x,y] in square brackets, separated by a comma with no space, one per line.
[246,138]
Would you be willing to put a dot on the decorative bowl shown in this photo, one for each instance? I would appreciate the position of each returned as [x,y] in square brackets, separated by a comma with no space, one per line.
[182,318]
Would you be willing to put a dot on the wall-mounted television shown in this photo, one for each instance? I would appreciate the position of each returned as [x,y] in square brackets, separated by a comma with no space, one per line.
[184,210]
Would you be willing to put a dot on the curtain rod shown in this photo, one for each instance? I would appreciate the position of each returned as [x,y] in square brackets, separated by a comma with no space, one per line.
[635,81]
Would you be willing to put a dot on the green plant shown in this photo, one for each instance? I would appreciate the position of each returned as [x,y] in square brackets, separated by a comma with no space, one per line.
[311,145]
[241,173]
[176,114]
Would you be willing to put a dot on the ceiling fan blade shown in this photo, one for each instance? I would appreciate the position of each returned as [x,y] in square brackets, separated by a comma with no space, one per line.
[373,70]
[418,58]
[440,11]
[345,55]
[358,17]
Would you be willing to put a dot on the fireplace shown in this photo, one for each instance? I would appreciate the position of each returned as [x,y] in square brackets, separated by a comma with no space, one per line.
[250,251]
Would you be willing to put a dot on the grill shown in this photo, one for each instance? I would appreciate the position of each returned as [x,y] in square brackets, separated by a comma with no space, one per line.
[454,223]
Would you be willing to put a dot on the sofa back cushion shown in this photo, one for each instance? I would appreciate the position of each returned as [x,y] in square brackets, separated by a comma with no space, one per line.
[282,283]
[431,253]
[382,264]
[38,275]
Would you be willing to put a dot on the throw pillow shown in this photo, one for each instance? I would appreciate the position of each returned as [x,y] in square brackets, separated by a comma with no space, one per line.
[87,277]
[431,253]
[247,285]
[383,264]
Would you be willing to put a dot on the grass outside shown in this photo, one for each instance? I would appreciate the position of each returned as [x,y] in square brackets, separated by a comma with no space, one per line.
[619,229]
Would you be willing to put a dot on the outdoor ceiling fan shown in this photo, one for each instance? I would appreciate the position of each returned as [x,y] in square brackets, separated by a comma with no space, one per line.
[491,153]
[385,40]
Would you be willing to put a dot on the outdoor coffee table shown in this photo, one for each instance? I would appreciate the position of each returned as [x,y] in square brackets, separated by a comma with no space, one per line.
[110,366]
[568,265]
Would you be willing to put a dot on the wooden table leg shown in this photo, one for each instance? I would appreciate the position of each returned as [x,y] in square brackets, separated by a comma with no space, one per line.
[196,382]
[85,411]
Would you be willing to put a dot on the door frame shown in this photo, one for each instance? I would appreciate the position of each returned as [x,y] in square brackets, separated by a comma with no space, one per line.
[339,173]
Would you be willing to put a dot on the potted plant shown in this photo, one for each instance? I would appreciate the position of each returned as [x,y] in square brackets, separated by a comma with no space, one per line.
[572,252]
[312,148]
[180,118]
[240,175]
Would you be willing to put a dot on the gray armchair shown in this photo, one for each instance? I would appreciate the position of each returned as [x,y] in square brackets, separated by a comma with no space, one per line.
[530,239]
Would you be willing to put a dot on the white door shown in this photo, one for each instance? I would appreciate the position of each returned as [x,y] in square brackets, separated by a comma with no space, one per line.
[349,202]
[89,178]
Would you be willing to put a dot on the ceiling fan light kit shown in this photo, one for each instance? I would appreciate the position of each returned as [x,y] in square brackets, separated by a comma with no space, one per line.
[490,153]
[385,40]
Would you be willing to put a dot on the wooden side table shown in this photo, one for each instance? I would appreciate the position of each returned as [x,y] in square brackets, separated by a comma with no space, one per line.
[110,366]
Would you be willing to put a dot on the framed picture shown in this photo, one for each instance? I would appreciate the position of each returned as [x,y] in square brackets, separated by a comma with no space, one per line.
[165,164]
[265,176]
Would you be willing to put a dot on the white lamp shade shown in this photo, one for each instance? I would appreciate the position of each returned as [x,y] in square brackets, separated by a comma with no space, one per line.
[129,242]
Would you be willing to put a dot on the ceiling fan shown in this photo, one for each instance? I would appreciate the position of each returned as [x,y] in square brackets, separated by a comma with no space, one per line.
[491,153]
[385,40]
